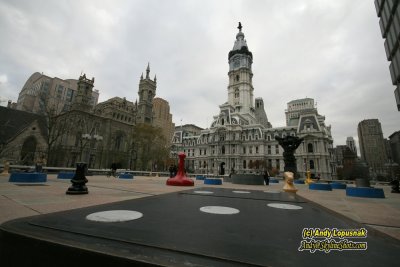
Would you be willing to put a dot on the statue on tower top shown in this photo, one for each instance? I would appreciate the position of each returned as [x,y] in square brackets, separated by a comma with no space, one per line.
[240,26]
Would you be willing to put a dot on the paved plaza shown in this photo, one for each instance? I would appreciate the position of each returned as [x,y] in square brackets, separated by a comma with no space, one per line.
[182,225]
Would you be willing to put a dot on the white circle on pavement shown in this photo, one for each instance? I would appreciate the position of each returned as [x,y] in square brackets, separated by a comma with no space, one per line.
[219,210]
[284,206]
[204,192]
[114,216]
[241,192]
[272,191]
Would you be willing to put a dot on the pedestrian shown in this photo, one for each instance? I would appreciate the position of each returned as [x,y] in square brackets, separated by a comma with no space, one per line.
[171,171]
[114,169]
[266,177]
[318,177]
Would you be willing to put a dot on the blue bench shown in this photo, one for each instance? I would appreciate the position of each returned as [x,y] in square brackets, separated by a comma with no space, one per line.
[317,186]
[338,186]
[368,192]
[65,175]
[125,176]
[28,177]
[213,181]
[200,177]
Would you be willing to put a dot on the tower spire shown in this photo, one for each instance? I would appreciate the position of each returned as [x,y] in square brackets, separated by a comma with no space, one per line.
[148,70]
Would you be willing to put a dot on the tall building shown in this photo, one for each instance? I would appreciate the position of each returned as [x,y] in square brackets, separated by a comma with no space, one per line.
[372,146]
[41,92]
[394,140]
[351,144]
[241,139]
[163,118]
[389,21]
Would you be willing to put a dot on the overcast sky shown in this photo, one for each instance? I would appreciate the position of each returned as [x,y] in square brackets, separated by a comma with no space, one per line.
[331,51]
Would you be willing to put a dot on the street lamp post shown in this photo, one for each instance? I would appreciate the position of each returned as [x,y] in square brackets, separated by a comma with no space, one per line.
[88,138]
[79,180]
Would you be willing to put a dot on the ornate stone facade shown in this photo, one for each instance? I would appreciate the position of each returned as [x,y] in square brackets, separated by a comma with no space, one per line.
[242,140]
[97,135]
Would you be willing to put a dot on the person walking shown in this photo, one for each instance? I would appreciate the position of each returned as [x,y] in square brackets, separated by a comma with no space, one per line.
[266,177]
[114,169]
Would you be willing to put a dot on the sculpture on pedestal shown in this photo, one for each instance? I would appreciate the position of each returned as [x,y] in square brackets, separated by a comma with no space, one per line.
[180,179]
[289,145]
[5,169]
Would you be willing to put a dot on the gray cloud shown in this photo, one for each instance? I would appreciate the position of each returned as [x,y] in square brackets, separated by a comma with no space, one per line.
[331,51]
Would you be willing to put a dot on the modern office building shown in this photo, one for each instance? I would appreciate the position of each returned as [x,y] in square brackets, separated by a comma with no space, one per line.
[372,146]
[389,21]
[41,93]
[162,118]
[394,140]
[351,144]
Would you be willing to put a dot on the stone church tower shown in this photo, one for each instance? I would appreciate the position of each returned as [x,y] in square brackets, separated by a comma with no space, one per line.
[147,91]
[83,96]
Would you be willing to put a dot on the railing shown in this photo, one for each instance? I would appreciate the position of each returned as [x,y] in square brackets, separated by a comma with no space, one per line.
[103,171]
[161,174]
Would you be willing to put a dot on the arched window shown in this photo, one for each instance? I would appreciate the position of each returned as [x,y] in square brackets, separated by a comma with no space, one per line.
[119,141]
[310,148]
[312,164]
[28,150]
[223,149]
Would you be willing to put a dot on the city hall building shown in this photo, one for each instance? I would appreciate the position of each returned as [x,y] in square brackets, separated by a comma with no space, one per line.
[240,138]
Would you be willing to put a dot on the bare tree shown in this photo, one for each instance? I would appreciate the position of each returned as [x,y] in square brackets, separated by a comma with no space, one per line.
[151,146]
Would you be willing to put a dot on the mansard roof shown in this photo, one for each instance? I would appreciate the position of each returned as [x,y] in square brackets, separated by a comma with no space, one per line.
[240,46]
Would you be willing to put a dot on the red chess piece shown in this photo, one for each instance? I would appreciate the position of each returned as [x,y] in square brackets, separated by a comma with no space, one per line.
[180,178]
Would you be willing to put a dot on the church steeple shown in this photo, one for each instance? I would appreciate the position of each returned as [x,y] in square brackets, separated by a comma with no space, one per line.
[148,71]
[147,91]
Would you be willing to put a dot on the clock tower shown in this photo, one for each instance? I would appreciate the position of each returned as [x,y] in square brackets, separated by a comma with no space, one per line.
[240,88]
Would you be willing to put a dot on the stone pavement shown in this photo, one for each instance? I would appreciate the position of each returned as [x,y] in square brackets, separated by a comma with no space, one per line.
[17,201]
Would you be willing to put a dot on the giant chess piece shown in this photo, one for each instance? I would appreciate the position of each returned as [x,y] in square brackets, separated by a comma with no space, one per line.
[289,186]
[289,144]
[5,169]
[79,181]
[180,178]
[309,180]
